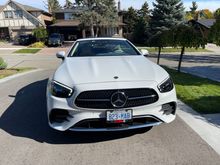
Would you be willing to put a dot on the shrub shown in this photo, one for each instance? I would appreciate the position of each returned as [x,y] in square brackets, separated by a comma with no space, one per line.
[40,33]
[37,45]
[3,64]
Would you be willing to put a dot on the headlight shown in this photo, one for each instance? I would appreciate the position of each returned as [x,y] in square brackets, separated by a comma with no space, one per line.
[166,85]
[59,90]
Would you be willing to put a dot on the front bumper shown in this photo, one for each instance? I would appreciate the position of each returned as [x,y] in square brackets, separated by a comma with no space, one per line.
[54,43]
[76,115]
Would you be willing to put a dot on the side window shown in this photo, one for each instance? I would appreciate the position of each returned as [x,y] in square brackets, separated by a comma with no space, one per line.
[8,14]
[18,14]
[68,16]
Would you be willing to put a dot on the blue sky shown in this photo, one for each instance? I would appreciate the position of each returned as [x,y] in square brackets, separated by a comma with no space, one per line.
[203,4]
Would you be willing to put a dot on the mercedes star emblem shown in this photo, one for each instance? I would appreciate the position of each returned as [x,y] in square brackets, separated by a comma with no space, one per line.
[119,99]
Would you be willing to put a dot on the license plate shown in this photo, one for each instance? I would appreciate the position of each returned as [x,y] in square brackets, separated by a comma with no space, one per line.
[119,116]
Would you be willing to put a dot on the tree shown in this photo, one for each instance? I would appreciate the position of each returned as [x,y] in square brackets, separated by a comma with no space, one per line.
[192,14]
[214,33]
[188,16]
[40,33]
[68,4]
[142,25]
[187,36]
[217,14]
[52,5]
[204,14]
[144,12]
[193,9]
[166,15]
[98,13]
[130,19]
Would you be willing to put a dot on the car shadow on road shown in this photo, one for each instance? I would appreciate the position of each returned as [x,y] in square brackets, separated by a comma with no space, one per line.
[26,117]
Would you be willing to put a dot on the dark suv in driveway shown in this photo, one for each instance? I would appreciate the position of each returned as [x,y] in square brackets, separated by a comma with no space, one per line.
[55,39]
[26,39]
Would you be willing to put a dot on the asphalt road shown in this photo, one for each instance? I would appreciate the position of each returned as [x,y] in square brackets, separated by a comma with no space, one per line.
[25,137]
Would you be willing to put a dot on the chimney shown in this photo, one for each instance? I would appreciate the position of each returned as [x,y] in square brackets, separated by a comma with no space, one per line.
[119,5]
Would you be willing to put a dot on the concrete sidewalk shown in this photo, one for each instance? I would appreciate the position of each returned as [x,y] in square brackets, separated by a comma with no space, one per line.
[52,51]
[213,47]
[10,45]
[206,126]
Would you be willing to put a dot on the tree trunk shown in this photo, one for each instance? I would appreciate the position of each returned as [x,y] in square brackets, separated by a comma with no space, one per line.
[92,30]
[158,57]
[181,57]
[84,33]
[97,31]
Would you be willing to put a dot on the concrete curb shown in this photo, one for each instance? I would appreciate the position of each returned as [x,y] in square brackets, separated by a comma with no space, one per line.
[18,75]
[200,124]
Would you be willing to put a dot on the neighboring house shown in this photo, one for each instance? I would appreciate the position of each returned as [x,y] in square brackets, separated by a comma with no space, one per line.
[68,24]
[203,25]
[16,19]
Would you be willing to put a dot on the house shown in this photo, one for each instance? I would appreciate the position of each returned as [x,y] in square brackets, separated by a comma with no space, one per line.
[16,19]
[203,25]
[68,24]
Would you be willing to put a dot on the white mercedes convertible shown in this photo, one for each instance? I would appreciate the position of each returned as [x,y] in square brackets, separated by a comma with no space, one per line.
[107,84]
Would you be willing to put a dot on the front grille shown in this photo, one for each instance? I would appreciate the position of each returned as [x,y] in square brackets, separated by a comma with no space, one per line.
[101,99]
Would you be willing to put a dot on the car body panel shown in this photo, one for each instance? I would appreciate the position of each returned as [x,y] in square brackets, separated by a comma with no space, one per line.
[80,70]
[26,39]
[80,113]
[98,73]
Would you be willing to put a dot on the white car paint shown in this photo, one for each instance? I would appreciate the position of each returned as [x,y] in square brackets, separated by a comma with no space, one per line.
[97,73]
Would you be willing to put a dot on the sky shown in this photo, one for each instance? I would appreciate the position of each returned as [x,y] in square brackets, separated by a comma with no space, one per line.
[203,4]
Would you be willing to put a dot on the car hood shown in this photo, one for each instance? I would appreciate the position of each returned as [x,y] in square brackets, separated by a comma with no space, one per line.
[80,70]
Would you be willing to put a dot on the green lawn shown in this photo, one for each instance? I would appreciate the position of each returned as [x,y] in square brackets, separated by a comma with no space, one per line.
[203,95]
[173,50]
[31,51]
[8,72]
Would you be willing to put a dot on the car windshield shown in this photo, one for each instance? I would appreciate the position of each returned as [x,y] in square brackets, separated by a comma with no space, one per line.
[89,48]
[54,36]
[24,36]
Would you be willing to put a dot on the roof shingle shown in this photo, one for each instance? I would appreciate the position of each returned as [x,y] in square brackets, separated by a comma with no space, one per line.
[29,8]
[67,23]
[207,22]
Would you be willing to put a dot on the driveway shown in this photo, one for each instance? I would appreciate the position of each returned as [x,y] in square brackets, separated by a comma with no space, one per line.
[25,137]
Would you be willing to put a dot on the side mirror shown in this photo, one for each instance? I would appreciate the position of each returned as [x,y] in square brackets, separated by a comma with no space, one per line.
[61,55]
[144,52]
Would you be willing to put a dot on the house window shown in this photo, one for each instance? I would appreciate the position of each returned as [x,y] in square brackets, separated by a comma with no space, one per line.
[8,14]
[68,16]
[18,14]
